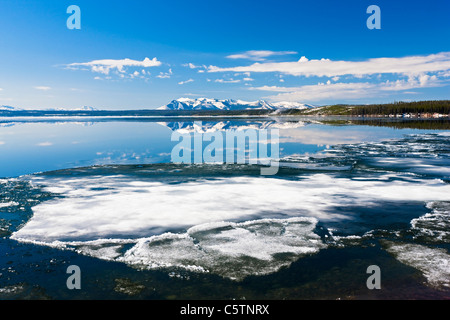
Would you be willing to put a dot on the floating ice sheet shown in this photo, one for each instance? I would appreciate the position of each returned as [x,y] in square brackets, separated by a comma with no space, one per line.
[98,207]
[434,263]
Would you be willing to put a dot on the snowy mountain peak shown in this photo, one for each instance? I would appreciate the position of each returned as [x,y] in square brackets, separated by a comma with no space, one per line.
[85,108]
[8,108]
[230,104]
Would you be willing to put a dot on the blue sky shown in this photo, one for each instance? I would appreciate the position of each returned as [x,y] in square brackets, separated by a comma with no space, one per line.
[143,54]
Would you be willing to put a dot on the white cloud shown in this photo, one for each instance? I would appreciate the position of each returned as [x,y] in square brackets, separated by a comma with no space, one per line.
[165,75]
[413,82]
[192,94]
[44,144]
[318,92]
[352,90]
[43,88]
[191,65]
[410,65]
[227,81]
[201,68]
[106,65]
[259,55]
[187,81]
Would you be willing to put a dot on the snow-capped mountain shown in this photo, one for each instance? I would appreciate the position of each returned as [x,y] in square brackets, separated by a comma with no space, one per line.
[85,108]
[8,108]
[292,105]
[229,104]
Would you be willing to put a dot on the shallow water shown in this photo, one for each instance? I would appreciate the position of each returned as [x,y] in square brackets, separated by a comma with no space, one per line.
[106,197]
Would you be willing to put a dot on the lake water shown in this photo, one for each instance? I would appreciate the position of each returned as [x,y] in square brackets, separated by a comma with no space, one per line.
[106,195]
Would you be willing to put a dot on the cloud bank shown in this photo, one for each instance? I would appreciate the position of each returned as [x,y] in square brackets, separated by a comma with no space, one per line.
[350,90]
[259,55]
[106,65]
[409,65]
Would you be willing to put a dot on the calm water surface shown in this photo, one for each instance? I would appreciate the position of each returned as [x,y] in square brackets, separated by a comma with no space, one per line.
[105,196]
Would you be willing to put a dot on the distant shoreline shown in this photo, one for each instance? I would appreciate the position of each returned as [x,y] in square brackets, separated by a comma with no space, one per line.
[74,117]
[144,116]
[418,109]
[439,109]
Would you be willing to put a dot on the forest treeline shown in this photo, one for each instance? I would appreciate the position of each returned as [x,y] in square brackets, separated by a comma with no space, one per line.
[417,107]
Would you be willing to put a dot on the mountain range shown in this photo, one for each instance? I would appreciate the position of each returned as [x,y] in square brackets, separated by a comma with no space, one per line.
[229,104]
[187,104]
[85,108]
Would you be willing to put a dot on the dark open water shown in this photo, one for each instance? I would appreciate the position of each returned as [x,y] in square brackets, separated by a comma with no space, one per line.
[106,197]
